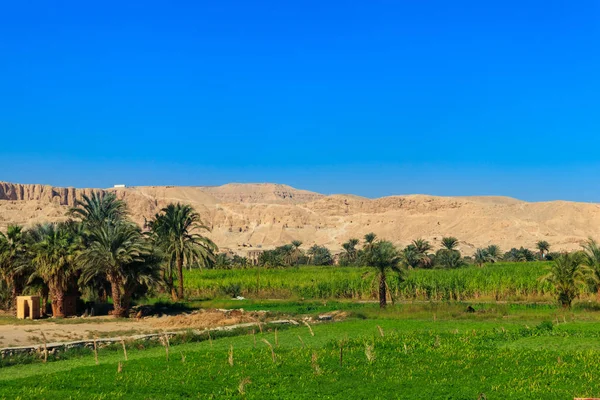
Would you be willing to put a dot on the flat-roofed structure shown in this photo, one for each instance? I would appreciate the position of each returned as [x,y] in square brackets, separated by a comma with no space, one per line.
[28,307]
[254,255]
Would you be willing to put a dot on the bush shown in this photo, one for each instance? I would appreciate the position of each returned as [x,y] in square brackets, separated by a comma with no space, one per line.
[232,289]
[545,326]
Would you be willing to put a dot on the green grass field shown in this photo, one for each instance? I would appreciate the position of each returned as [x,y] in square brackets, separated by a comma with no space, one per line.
[429,350]
[501,281]
[517,345]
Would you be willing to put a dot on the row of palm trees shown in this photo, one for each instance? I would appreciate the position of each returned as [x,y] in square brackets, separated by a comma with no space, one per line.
[292,255]
[99,249]
[418,254]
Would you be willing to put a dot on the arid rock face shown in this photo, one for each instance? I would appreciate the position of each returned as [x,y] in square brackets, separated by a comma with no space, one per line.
[247,216]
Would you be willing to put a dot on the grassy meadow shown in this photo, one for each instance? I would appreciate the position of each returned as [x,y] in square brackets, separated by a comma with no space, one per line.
[516,344]
[408,351]
[500,281]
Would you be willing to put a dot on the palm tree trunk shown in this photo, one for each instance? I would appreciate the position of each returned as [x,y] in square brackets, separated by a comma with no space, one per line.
[44,303]
[17,289]
[118,310]
[58,303]
[14,295]
[102,294]
[382,290]
[126,298]
[180,277]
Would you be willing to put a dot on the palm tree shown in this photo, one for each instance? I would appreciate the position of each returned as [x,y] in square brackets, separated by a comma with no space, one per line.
[494,252]
[53,259]
[319,255]
[592,260]
[351,253]
[369,241]
[13,251]
[114,249]
[174,232]
[296,251]
[543,247]
[449,243]
[521,255]
[383,256]
[421,245]
[350,249]
[481,256]
[98,208]
[449,258]
[568,274]
[270,259]
[141,275]
[411,257]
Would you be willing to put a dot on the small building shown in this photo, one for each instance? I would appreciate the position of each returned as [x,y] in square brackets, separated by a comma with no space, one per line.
[254,255]
[120,186]
[28,307]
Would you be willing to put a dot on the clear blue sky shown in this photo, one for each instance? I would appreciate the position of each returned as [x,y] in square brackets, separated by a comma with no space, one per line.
[372,98]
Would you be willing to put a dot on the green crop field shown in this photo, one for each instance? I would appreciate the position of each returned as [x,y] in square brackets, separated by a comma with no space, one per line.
[501,281]
[517,344]
[433,351]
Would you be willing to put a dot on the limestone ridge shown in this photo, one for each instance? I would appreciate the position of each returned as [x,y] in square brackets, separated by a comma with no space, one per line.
[245,216]
[36,192]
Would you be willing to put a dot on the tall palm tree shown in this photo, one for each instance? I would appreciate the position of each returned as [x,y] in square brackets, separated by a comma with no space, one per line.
[383,257]
[53,259]
[494,252]
[296,252]
[421,245]
[287,253]
[567,273]
[98,208]
[13,251]
[449,243]
[481,256]
[411,257]
[319,255]
[449,258]
[543,246]
[351,253]
[141,275]
[174,230]
[592,260]
[369,241]
[113,249]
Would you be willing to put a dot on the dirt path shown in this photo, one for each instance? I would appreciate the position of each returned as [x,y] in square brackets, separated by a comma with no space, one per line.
[20,335]
[88,328]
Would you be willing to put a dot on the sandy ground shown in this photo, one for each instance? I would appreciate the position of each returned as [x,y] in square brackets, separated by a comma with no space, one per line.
[78,328]
[20,335]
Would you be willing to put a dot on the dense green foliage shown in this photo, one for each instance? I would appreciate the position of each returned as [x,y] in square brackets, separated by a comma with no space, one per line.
[174,230]
[98,252]
[568,275]
[499,281]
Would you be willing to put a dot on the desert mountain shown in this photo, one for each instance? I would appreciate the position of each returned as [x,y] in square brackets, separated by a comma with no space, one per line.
[245,216]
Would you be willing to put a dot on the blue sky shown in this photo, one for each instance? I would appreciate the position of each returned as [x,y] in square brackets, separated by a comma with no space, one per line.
[372,98]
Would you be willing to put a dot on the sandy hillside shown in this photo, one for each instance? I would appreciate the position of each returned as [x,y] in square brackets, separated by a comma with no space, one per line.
[245,216]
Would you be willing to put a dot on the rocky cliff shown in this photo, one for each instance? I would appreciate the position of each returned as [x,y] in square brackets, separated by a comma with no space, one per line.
[244,216]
